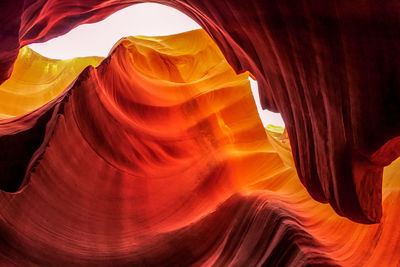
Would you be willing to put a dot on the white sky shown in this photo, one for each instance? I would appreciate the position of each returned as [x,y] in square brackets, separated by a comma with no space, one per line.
[97,39]
[267,117]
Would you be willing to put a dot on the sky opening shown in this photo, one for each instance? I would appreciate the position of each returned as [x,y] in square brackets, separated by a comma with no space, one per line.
[148,19]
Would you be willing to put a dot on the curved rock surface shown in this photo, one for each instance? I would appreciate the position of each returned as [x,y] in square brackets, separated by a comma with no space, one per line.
[157,156]
[331,69]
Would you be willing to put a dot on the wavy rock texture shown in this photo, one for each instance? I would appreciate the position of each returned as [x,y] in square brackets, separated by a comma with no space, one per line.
[37,80]
[331,70]
[157,156]
[34,82]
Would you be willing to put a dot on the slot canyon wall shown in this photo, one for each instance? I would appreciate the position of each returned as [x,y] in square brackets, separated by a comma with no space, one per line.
[156,154]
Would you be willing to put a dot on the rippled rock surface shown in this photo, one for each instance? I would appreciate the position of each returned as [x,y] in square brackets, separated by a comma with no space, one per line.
[157,155]
[331,70]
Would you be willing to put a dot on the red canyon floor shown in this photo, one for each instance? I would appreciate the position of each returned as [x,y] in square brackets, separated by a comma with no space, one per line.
[156,155]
